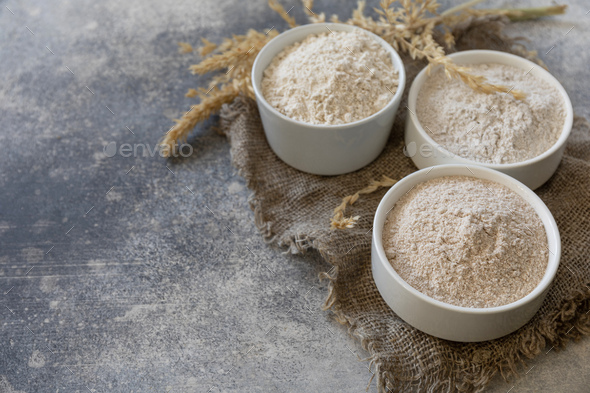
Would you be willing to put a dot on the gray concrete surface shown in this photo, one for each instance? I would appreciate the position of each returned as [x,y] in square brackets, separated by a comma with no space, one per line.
[137,274]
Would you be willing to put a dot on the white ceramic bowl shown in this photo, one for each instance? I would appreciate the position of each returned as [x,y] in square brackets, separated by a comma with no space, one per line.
[324,149]
[425,152]
[442,319]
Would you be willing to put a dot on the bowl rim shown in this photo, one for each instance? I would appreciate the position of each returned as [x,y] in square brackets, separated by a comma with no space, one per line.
[531,198]
[521,62]
[315,28]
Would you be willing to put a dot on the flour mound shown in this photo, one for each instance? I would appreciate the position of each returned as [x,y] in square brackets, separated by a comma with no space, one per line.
[331,78]
[467,242]
[492,128]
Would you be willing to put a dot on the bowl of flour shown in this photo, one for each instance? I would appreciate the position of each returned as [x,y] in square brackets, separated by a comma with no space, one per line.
[328,94]
[464,253]
[448,122]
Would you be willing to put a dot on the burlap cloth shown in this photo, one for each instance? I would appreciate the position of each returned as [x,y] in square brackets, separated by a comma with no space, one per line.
[293,209]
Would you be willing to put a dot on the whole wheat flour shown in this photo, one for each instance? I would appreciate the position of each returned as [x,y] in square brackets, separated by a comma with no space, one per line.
[331,78]
[492,128]
[467,242]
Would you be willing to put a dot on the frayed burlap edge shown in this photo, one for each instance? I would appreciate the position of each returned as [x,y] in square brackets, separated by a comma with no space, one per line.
[297,244]
[566,324]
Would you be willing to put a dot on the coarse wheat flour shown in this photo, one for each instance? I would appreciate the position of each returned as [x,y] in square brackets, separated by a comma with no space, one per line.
[467,242]
[492,128]
[331,78]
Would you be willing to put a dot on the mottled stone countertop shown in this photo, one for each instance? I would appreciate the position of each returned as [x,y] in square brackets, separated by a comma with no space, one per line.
[132,273]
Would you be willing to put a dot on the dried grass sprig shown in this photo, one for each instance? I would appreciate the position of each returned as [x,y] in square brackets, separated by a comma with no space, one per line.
[312,16]
[207,47]
[185,47]
[278,8]
[191,93]
[452,70]
[210,104]
[417,38]
[339,221]
[234,52]
[236,55]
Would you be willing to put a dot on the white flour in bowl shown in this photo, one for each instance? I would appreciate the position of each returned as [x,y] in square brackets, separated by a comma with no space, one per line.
[492,128]
[467,242]
[331,78]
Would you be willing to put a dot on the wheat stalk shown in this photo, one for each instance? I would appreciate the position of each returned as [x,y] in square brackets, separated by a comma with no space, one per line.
[339,221]
[236,55]
[185,47]
[211,102]
[278,8]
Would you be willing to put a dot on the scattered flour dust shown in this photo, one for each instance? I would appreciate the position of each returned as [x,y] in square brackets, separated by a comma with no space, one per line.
[331,78]
[37,360]
[492,128]
[467,242]
[6,387]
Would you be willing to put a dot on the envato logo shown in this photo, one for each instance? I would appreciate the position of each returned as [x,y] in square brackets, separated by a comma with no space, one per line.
[426,150]
[145,150]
